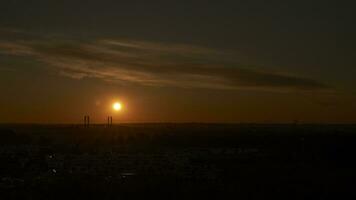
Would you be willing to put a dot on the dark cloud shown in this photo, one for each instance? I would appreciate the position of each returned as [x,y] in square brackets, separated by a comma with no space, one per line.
[151,64]
[6,69]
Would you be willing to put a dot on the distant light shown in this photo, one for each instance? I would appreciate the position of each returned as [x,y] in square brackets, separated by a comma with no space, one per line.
[117,106]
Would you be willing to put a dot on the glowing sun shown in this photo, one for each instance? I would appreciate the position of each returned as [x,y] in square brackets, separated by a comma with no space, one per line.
[117,106]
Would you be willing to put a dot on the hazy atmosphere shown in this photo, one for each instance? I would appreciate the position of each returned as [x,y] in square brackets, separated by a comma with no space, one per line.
[177,61]
[176,99]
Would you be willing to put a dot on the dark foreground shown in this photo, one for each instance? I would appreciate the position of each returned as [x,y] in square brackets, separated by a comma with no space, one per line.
[178,161]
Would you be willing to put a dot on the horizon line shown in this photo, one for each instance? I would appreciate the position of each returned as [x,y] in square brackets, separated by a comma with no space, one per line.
[182,123]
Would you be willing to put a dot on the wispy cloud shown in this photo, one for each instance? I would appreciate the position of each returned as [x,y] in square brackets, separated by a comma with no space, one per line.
[150,64]
[6,69]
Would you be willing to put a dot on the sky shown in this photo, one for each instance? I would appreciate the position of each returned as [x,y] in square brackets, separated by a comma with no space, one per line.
[178,61]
